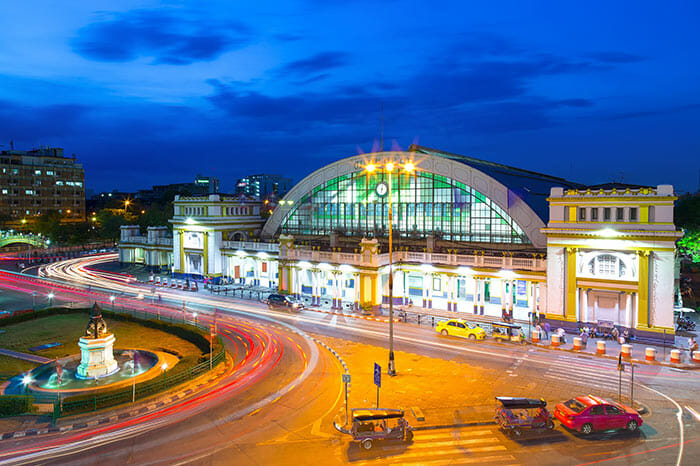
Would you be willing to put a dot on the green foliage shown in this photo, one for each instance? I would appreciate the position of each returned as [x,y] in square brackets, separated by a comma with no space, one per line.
[687,212]
[157,216]
[13,405]
[109,221]
[689,245]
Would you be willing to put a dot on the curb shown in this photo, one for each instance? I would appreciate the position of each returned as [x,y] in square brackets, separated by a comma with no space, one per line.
[107,419]
[333,352]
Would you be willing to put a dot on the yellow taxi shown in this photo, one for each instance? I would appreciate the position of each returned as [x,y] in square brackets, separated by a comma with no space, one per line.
[460,328]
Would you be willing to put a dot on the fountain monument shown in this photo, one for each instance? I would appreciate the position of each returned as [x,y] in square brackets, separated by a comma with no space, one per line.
[96,348]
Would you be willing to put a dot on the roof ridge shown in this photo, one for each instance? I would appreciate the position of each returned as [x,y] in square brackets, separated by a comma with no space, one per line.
[417,148]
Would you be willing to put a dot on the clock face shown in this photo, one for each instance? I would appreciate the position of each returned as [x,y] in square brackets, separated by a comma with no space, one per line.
[382,189]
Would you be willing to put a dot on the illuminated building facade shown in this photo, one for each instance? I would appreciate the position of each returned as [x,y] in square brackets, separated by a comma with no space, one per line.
[469,236]
[41,181]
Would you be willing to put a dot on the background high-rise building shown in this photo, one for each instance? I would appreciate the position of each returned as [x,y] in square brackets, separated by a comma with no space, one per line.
[41,181]
[260,186]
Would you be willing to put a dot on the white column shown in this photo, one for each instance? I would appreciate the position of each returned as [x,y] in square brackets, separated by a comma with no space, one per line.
[584,305]
[628,310]
[504,295]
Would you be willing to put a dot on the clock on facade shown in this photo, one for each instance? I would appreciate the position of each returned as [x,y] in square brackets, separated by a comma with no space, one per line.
[382,189]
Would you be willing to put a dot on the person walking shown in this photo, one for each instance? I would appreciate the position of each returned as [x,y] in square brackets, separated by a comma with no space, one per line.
[692,347]
[547,328]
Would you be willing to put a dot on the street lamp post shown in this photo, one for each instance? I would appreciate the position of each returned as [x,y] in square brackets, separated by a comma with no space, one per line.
[112,298]
[50,296]
[389,167]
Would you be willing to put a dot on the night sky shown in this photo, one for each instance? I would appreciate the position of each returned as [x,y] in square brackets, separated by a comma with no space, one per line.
[155,92]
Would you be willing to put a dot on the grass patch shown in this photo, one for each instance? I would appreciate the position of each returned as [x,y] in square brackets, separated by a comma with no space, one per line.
[9,367]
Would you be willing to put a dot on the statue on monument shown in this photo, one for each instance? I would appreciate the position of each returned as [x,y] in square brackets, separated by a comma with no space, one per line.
[97,327]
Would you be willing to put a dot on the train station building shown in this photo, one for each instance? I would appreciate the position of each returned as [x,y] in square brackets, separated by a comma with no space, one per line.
[469,236]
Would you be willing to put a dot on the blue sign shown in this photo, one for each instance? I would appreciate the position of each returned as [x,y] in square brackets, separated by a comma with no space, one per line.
[377,375]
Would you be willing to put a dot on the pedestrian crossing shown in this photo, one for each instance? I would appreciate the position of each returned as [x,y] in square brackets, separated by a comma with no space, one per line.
[597,376]
[475,445]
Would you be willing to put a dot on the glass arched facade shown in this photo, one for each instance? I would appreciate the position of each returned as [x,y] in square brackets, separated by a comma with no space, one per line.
[423,204]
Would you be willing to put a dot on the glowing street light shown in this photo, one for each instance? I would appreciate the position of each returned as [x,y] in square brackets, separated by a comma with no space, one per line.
[194,316]
[27,381]
[112,298]
[50,296]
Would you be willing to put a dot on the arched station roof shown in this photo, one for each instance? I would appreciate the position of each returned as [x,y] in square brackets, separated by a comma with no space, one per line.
[521,194]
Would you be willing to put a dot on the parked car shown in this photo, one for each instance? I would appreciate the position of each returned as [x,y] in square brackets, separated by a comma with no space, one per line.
[282,301]
[588,413]
[460,328]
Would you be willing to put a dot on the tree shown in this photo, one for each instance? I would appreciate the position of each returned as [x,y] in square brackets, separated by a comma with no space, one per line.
[110,220]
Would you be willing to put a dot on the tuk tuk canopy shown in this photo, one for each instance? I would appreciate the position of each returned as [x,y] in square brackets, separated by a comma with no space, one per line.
[361,414]
[521,403]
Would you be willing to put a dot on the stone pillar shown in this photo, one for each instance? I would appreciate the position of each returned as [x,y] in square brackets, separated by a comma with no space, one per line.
[643,287]
[504,296]
[512,296]
[482,295]
[476,294]
[628,310]
[584,304]
[570,285]
[429,290]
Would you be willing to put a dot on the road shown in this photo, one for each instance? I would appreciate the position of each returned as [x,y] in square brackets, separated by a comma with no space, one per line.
[297,427]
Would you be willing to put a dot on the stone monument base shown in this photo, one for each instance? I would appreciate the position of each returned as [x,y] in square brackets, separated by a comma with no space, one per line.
[96,357]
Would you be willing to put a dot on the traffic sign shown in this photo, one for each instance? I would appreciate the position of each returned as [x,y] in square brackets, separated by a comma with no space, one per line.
[346,378]
[377,375]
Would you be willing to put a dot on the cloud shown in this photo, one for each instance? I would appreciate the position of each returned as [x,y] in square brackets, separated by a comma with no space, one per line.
[318,63]
[478,97]
[159,35]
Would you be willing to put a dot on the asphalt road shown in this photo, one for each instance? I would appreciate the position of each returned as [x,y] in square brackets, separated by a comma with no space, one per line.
[297,427]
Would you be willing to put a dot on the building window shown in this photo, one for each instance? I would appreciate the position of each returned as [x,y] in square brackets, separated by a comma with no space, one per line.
[29,191]
[594,213]
[619,214]
[606,214]
[582,213]
[37,172]
[633,214]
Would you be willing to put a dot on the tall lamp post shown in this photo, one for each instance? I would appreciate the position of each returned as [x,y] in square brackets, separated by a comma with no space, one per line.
[382,190]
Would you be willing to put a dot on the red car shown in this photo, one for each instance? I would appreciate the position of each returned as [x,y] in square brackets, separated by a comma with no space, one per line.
[588,413]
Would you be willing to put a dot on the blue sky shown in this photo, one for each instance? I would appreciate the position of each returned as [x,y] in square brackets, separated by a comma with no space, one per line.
[155,92]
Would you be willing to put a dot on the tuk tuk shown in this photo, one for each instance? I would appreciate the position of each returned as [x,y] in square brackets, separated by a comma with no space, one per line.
[515,415]
[502,331]
[370,425]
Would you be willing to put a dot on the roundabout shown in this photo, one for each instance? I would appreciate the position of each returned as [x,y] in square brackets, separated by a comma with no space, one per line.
[281,393]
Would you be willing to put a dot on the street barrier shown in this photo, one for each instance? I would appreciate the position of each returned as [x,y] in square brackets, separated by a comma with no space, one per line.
[675,356]
[555,340]
[626,351]
[600,347]
[650,354]
[535,335]
[696,357]
[578,344]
